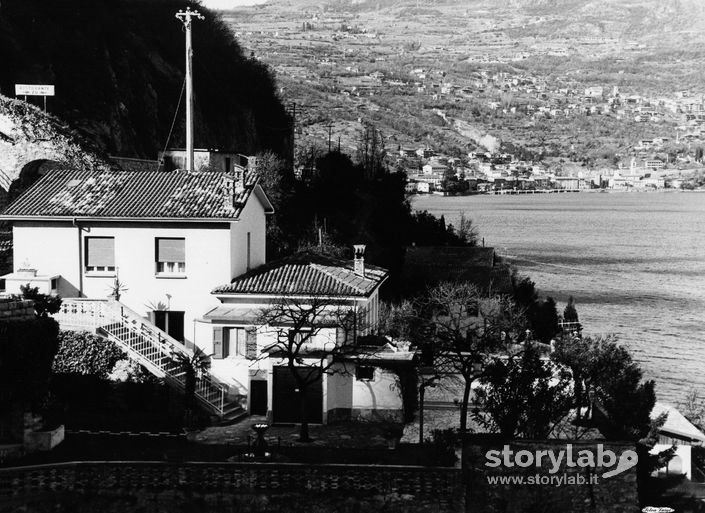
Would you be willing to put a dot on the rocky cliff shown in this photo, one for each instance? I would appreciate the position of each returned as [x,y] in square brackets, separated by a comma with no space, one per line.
[118,68]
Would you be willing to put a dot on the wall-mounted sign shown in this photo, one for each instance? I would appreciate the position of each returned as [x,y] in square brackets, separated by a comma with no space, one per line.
[34,90]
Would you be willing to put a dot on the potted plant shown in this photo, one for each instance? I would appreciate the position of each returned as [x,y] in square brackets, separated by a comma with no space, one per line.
[117,288]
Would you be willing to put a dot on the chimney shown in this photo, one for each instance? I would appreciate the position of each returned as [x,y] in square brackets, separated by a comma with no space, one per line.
[239,174]
[359,260]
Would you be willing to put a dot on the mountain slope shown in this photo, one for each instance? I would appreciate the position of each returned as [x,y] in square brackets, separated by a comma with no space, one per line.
[118,68]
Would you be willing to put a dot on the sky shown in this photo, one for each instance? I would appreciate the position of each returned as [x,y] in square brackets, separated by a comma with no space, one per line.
[228,4]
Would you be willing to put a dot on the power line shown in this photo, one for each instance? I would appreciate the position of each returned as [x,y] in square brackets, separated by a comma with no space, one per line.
[173,122]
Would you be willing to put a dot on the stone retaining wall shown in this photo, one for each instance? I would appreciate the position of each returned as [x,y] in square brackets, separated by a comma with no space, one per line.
[14,310]
[416,488]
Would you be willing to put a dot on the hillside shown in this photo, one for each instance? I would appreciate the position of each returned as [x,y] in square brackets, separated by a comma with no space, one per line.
[118,68]
[453,75]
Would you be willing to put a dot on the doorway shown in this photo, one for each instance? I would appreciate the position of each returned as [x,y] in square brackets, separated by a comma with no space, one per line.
[170,322]
[258,397]
[286,400]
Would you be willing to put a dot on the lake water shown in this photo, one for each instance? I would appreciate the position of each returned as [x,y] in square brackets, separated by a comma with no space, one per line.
[634,262]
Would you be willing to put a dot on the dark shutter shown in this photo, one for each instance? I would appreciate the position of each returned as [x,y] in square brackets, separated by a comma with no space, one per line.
[218,346]
[100,252]
[251,344]
[171,250]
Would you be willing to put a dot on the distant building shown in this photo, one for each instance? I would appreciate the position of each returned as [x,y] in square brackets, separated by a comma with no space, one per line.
[679,432]
[206,160]
[653,164]
[434,168]
[594,91]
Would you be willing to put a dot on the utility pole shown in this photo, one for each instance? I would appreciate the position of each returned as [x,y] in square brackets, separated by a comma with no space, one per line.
[185,17]
[330,134]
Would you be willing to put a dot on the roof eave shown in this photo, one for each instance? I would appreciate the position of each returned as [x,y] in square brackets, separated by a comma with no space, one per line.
[263,199]
[120,219]
[259,295]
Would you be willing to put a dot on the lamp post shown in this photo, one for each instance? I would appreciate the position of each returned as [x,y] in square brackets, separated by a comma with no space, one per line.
[259,448]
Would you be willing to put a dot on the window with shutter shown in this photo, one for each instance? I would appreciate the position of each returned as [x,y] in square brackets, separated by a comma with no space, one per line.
[251,343]
[100,254]
[235,342]
[170,255]
[218,346]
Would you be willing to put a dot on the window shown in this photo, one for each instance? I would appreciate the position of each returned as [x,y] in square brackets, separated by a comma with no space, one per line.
[170,255]
[100,254]
[54,284]
[363,373]
[2,285]
[235,342]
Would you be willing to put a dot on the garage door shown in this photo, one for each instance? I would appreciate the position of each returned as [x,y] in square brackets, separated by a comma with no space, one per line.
[286,400]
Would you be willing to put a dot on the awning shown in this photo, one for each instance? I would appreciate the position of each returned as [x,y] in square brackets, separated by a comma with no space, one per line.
[235,314]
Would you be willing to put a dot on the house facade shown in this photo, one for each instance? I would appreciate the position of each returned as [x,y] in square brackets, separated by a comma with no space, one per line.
[165,261]
[247,336]
[163,238]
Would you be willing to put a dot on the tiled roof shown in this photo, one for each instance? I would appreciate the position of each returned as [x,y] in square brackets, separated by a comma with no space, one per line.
[130,195]
[306,274]
[676,424]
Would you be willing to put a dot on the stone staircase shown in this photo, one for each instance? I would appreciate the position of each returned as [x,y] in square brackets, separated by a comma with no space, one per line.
[152,348]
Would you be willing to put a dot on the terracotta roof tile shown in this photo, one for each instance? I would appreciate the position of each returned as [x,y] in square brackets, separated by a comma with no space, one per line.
[129,194]
[306,274]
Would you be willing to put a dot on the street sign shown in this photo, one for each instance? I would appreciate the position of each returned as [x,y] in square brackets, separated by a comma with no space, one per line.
[34,90]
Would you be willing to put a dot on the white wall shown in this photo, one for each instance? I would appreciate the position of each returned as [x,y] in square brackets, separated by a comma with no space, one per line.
[252,220]
[50,251]
[340,387]
[54,249]
[682,451]
[381,393]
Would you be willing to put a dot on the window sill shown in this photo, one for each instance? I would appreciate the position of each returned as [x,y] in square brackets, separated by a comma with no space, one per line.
[170,276]
[93,274]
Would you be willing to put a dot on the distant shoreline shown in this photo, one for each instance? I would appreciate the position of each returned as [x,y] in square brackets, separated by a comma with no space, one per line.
[559,192]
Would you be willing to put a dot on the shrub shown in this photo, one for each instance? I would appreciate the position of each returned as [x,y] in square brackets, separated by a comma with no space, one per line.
[86,353]
[43,304]
[127,370]
[444,442]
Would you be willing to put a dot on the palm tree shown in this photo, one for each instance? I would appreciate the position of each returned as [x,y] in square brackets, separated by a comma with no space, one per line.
[193,366]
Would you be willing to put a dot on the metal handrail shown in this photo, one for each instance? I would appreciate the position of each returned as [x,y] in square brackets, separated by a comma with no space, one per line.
[142,340]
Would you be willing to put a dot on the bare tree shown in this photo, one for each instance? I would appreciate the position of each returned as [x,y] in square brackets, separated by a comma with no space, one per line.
[693,407]
[371,152]
[463,327]
[313,336]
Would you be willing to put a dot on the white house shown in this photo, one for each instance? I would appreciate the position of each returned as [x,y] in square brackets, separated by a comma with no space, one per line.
[246,341]
[168,237]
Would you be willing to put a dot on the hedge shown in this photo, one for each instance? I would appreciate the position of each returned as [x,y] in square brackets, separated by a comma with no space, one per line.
[81,352]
